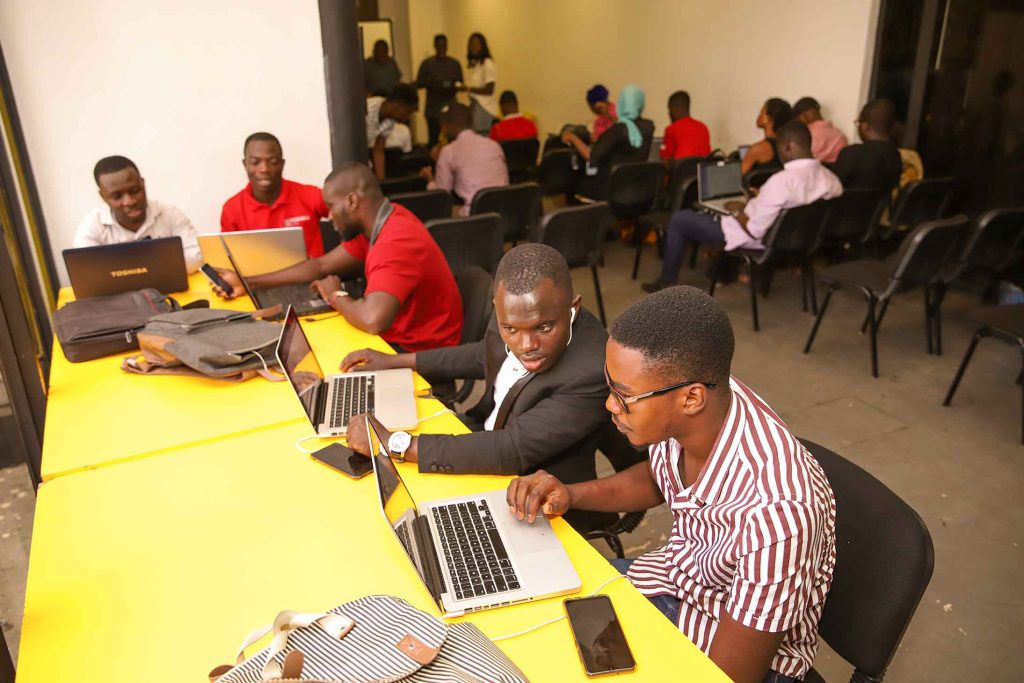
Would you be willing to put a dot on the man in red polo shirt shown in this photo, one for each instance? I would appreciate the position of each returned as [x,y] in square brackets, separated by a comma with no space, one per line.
[686,137]
[270,201]
[513,125]
[411,298]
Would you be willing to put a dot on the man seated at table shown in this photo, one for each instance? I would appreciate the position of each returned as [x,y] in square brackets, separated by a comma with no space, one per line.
[541,361]
[827,141]
[469,162]
[802,180]
[875,163]
[749,561]
[513,125]
[128,215]
[382,114]
[411,299]
[270,201]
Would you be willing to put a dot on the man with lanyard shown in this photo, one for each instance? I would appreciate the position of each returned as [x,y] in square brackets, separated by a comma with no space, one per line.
[411,299]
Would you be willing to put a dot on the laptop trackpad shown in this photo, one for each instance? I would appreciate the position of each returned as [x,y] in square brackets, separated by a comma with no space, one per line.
[524,537]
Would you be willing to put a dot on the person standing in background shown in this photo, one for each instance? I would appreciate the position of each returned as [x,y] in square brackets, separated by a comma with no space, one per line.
[438,75]
[597,100]
[827,141]
[381,71]
[481,74]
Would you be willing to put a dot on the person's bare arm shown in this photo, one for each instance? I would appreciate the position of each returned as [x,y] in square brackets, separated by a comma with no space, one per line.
[378,157]
[759,153]
[368,359]
[581,147]
[335,262]
[743,653]
[739,214]
[374,313]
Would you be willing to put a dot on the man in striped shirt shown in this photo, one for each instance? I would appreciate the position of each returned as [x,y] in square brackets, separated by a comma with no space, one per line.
[749,562]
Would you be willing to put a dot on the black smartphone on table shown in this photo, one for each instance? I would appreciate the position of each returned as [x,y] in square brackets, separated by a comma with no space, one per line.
[599,638]
[213,276]
[344,460]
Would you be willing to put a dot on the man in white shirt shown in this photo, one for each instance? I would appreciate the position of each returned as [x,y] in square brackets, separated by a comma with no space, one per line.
[128,215]
[382,113]
[803,180]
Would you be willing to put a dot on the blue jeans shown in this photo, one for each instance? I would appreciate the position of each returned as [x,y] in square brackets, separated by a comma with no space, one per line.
[682,227]
[669,606]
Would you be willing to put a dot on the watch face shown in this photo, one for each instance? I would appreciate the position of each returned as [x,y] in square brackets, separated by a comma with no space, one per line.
[399,442]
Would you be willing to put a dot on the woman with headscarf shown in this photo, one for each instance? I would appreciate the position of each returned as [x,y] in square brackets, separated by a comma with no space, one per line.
[629,139]
[597,100]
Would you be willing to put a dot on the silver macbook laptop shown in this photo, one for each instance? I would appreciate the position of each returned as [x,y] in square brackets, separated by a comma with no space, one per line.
[330,402]
[254,252]
[718,183]
[470,552]
[117,268]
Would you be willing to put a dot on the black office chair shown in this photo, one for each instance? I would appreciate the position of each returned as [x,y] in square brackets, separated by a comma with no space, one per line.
[470,241]
[633,189]
[392,162]
[849,218]
[475,287]
[556,174]
[919,262]
[428,205]
[794,232]
[917,202]
[884,562]
[680,173]
[995,246]
[521,158]
[758,177]
[622,456]
[1001,322]
[393,186]
[518,205]
[577,232]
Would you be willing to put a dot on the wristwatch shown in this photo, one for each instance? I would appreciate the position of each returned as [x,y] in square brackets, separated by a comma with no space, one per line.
[335,295]
[398,444]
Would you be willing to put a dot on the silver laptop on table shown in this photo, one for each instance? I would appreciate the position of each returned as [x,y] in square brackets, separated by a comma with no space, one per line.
[330,402]
[470,552]
[718,183]
[254,252]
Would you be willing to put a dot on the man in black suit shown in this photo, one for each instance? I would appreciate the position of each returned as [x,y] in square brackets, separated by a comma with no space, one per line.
[542,359]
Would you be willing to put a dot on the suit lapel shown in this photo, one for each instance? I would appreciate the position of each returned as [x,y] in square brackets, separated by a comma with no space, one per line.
[510,399]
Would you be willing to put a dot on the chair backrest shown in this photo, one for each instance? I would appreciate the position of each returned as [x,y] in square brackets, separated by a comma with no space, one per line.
[758,177]
[392,162]
[884,561]
[633,188]
[577,232]
[556,174]
[520,157]
[328,235]
[679,175]
[795,229]
[997,242]
[920,201]
[518,205]
[413,183]
[852,215]
[428,205]
[471,241]
[925,253]
[477,302]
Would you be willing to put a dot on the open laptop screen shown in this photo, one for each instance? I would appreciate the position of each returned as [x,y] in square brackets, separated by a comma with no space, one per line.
[719,180]
[299,363]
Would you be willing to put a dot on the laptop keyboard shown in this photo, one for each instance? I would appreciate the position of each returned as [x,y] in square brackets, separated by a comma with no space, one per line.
[299,297]
[477,560]
[352,396]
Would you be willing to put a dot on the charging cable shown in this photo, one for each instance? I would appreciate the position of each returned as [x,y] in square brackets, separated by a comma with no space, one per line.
[556,619]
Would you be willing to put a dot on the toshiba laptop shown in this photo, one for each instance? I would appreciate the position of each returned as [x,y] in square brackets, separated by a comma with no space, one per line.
[118,268]
[718,183]
[330,402]
[254,252]
[470,552]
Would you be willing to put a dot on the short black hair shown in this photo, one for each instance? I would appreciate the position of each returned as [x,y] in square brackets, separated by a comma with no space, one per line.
[682,333]
[458,115]
[440,36]
[261,136]
[379,43]
[355,177]
[779,110]
[805,104]
[879,114]
[523,268]
[406,94]
[798,132]
[112,165]
[681,99]
[508,97]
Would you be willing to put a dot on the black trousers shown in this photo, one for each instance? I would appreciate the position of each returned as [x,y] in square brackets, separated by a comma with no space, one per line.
[433,130]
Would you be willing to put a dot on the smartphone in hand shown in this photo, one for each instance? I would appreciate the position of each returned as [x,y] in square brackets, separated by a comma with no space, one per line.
[344,460]
[213,276]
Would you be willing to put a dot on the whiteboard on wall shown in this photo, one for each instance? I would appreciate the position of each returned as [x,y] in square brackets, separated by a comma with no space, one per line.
[372,31]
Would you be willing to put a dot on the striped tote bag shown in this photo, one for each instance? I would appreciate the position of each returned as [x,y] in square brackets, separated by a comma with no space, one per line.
[376,639]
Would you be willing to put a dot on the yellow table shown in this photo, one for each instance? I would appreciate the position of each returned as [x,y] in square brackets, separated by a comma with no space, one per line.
[98,414]
[153,570]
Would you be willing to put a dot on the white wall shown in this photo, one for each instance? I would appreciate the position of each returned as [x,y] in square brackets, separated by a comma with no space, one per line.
[175,85]
[730,55]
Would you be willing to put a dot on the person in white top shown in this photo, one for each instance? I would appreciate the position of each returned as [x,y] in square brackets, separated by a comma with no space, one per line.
[802,180]
[128,215]
[481,74]
[382,114]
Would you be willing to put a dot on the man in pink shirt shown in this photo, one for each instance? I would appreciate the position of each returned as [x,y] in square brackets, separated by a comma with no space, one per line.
[469,162]
[827,141]
[801,181]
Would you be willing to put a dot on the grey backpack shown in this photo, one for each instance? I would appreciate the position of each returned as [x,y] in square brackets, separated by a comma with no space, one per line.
[207,342]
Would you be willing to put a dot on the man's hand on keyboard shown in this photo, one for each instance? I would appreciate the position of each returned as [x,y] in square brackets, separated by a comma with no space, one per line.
[537,492]
[355,435]
[368,359]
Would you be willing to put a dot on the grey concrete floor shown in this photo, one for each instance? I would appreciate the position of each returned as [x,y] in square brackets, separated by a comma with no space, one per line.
[961,468]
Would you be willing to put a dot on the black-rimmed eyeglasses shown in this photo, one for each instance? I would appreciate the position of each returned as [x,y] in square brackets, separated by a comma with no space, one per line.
[625,401]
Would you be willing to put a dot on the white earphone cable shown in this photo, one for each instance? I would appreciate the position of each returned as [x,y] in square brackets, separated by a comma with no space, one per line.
[556,619]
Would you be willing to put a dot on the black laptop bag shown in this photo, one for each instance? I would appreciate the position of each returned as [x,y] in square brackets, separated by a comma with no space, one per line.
[106,325]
